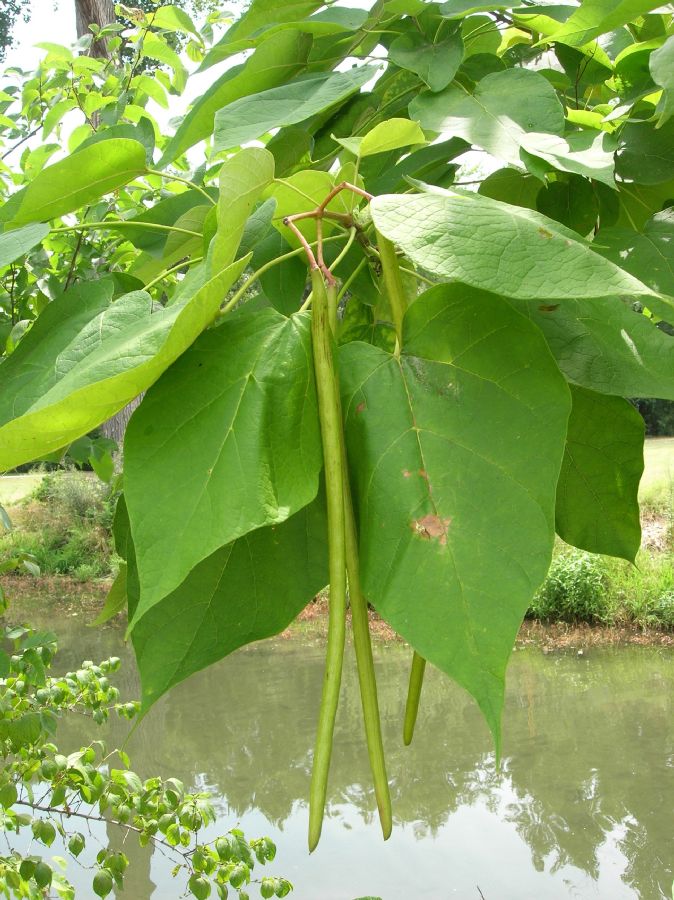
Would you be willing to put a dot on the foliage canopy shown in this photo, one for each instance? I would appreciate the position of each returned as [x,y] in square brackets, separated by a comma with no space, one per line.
[449,394]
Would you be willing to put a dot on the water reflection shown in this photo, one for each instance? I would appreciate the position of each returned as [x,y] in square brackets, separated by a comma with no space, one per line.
[582,806]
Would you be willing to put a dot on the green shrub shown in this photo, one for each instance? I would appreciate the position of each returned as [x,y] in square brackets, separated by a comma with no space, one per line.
[66,526]
[575,590]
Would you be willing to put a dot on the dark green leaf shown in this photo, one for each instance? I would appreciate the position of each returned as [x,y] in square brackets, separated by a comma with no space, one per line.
[661,64]
[440,487]
[597,504]
[436,63]
[604,345]
[649,255]
[248,590]
[232,426]
[250,117]
[115,601]
[646,154]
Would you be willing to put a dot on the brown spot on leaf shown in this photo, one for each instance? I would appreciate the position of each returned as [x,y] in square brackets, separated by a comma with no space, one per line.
[407,473]
[545,233]
[548,307]
[360,407]
[423,473]
[432,528]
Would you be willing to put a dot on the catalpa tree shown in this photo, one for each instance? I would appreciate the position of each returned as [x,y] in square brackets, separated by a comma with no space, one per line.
[361,370]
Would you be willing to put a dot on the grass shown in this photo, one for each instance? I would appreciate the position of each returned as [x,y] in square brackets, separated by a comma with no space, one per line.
[656,491]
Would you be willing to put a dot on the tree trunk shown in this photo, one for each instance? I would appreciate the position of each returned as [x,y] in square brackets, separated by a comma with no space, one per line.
[94,12]
[115,427]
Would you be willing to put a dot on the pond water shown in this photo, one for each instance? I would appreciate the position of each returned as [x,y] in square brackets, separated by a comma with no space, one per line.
[583,806]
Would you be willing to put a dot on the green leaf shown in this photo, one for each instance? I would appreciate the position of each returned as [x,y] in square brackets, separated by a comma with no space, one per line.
[466,237]
[604,345]
[85,358]
[597,504]
[274,571]
[460,8]
[275,61]
[14,244]
[173,18]
[233,427]
[648,255]
[661,64]
[572,203]
[504,106]
[439,488]
[331,21]
[75,181]
[646,154]
[511,186]
[435,63]
[582,152]
[166,212]
[595,17]
[261,12]
[430,164]
[253,115]
[243,177]
[392,134]
[115,600]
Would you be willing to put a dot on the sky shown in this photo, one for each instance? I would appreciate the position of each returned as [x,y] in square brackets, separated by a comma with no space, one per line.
[47,23]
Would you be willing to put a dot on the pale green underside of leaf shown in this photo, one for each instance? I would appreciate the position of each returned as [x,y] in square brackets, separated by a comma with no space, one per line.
[14,244]
[243,177]
[606,346]
[595,17]
[252,116]
[75,181]
[455,452]
[276,60]
[498,247]
[250,589]
[583,153]
[661,64]
[597,495]
[233,428]
[503,108]
[85,358]
[331,21]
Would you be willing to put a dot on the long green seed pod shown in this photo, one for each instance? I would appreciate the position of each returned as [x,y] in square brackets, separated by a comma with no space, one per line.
[365,663]
[413,697]
[331,434]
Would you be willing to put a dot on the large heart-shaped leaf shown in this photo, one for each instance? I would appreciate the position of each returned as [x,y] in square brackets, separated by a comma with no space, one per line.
[597,495]
[275,61]
[248,590]
[501,248]
[85,358]
[504,106]
[232,427]
[606,346]
[75,181]
[455,451]
[435,63]
[253,115]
